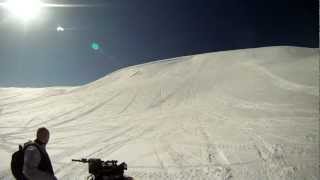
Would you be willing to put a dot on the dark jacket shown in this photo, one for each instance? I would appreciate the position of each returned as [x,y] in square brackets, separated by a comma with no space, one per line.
[37,164]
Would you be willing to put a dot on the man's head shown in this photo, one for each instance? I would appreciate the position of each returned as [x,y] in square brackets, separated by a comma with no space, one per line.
[43,135]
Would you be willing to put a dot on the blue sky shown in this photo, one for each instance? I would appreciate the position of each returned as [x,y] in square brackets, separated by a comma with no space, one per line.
[133,32]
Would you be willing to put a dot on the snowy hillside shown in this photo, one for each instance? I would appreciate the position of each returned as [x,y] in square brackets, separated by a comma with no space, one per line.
[245,115]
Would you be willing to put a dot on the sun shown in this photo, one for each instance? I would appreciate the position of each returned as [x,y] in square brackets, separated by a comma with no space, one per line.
[24,9]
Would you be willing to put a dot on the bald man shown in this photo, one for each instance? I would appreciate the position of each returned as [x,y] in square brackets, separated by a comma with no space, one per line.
[37,164]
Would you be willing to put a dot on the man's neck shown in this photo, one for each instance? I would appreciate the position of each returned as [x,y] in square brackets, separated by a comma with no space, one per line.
[39,142]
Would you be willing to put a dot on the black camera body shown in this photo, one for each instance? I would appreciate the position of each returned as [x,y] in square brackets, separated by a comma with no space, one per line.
[105,169]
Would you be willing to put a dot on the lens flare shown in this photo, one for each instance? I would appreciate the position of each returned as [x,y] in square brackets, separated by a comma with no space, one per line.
[95,46]
[60,29]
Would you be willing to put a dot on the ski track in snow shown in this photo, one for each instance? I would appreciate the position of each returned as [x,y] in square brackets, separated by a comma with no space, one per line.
[169,126]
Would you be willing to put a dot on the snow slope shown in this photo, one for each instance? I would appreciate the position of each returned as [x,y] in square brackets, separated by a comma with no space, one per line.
[245,114]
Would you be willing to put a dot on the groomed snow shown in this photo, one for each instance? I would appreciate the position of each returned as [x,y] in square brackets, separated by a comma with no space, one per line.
[247,114]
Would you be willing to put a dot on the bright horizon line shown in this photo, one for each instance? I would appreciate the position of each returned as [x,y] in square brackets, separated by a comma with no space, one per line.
[52,5]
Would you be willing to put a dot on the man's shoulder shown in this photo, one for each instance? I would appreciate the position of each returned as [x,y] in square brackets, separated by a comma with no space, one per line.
[31,146]
[28,143]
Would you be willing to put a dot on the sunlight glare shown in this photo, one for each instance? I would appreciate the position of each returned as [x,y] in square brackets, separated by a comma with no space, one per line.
[24,9]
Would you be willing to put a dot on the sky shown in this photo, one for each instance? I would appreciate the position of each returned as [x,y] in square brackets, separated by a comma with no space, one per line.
[131,32]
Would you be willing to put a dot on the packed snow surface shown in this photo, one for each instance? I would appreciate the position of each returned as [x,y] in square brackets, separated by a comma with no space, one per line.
[247,114]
